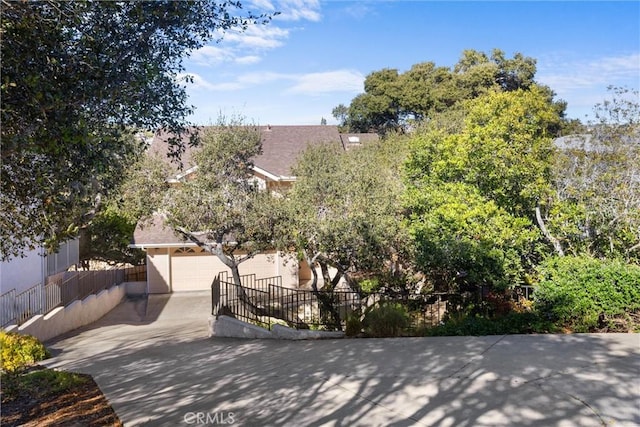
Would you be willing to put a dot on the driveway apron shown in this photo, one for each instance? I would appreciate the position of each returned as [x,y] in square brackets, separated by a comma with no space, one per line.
[157,366]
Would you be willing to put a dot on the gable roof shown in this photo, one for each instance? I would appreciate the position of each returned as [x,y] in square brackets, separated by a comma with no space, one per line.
[156,233]
[281,147]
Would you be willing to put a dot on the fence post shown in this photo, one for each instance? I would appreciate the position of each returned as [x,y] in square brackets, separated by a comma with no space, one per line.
[215,295]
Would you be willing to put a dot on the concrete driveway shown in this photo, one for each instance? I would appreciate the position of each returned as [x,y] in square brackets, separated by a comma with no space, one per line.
[157,367]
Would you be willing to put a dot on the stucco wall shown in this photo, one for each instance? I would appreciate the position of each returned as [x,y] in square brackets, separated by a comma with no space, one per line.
[79,313]
[158,271]
[22,273]
[192,269]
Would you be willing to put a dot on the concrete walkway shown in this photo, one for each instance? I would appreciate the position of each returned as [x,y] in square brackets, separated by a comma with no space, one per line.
[157,367]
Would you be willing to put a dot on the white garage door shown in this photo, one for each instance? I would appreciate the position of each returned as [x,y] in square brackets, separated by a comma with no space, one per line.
[193,269]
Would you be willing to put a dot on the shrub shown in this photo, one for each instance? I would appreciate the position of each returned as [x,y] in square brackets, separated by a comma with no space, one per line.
[512,323]
[353,325]
[385,320]
[586,294]
[20,351]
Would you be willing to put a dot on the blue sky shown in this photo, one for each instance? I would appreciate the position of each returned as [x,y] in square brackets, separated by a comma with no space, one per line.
[316,54]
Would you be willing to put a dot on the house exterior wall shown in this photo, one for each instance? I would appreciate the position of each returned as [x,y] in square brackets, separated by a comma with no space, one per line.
[192,269]
[22,273]
[158,271]
[68,254]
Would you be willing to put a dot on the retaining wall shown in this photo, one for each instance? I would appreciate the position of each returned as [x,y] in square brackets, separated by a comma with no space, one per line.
[77,314]
[225,326]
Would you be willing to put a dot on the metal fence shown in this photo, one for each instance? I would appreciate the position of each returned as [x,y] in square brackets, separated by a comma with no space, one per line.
[265,302]
[303,309]
[250,281]
[72,286]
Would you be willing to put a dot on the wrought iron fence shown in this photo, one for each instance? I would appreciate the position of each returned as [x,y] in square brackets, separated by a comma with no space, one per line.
[72,286]
[304,309]
[250,280]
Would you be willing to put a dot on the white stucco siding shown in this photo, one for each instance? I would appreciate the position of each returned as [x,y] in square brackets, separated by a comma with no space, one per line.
[158,271]
[22,273]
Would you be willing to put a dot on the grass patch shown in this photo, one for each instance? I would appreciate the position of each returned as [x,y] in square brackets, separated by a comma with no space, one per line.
[39,383]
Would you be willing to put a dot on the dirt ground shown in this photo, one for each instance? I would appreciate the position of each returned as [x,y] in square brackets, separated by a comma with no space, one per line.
[82,405]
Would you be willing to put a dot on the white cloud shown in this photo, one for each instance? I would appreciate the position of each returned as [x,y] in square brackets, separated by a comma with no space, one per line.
[248,46]
[198,82]
[249,59]
[564,76]
[298,10]
[583,82]
[257,37]
[256,79]
[312,84]
[215,55]
[359,11]
[211,55]
[262,5]
[330,81]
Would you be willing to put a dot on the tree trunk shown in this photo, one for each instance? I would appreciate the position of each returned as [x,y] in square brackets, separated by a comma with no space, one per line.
[555,242]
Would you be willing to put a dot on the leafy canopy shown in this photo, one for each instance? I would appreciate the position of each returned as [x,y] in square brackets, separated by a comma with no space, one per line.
[394,100]
[595,205]
[77,75]
[472,189]
[344,208]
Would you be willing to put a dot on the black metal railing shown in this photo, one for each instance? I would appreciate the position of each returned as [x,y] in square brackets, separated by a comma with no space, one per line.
[304,309]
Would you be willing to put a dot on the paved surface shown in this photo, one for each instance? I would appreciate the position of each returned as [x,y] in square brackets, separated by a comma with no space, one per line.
[157,367]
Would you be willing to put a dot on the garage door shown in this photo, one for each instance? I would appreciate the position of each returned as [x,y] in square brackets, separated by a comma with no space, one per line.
[193,269]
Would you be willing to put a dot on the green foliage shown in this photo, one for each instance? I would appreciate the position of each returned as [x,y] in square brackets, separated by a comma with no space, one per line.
[370,285]
[472,189]
[385,320]
[353,326]
[513,323]
[344,209]
[20,351]
[595,207]
[40,383]
[461,237]
[107,238]
[76,77]
[393,100]
[586,294]
[220,199]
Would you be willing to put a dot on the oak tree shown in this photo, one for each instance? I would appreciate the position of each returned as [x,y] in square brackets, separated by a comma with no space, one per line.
[76,76]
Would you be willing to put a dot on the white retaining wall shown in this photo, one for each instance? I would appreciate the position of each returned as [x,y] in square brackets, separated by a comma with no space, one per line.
[75,315]
[225,326]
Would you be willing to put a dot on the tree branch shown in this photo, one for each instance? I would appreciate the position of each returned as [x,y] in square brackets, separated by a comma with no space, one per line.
[555,242]
[634,247]
[215,249]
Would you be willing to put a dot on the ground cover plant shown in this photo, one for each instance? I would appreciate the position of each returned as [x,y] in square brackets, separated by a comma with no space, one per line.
[35,396]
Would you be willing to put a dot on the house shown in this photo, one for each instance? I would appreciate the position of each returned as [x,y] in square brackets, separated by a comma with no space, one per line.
[175,265]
